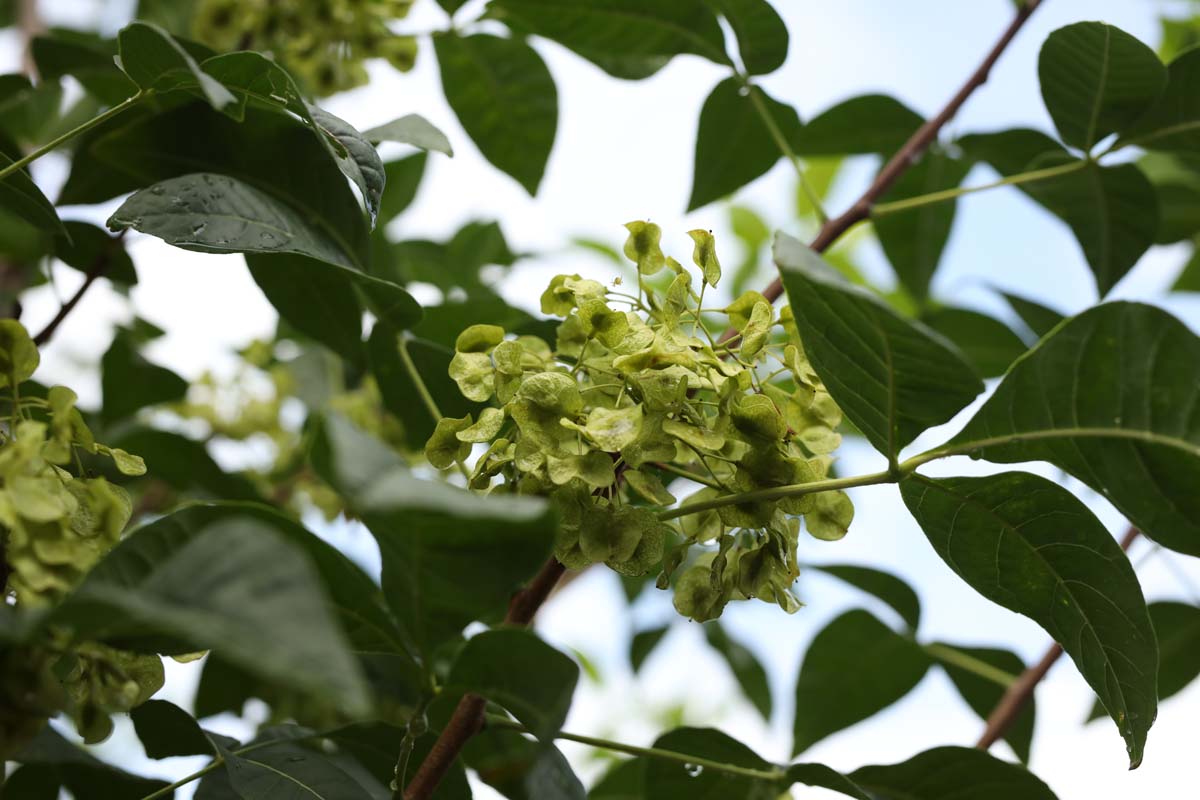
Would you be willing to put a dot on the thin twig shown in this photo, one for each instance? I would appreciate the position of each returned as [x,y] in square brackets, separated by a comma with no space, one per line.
[1018,695]
[468,717]
[832,230]
[96,269]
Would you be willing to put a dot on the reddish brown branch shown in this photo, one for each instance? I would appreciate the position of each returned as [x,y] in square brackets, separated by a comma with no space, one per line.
[1018,695]
[96,269]
[467,719]
[833,229]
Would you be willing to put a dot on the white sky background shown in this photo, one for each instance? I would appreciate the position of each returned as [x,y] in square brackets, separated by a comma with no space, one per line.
[624,151]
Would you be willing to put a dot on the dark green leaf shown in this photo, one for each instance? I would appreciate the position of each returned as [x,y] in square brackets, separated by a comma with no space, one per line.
[403,179]
[914,239]
[870,124]
[411,129]
[670,779]
[218,214]
[988,343]
[431,361]
[745,666]
[265,611]
[129,382]
[184,464]
[623,782]
[983,694]
[883,585]
[734,145]
[517,670]
[361,162]
[1173,124]
[50,760]
[1108,397]
[893,378]
[761,35]
[824,777]
[141,148]
[505,99]
[1037,317]
[84,56]
[21,196]
[1096,80]
[649,31]
[90,246]
[314,299]
[521,769]
[944,773]
[292,771]
[154,60]
[1189,277]
[1113,211]
[1176,181]
[166,730]
[449,556]
[1177,627]
[643,645]
[1028,544]
[854,668]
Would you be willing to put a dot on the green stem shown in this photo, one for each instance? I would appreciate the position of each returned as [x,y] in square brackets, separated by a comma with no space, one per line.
[124,105]
[683,473]
[650,752]
[756,98]
[971,664]
[184,781]
[897,206]
[780,492]
[422,390]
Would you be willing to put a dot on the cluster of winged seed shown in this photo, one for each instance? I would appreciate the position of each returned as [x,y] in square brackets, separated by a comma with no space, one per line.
[322,42]
[638,392]
[55,525]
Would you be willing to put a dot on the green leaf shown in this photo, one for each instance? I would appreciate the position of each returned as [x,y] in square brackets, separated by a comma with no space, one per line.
[1037,317]
[411,129]
[893,378]
[313,299]
[288,770]
[505,98]
[166,730]
[623,782]
[84,56]
[942,774]
[1113,211]
[90,245]
[883,585]
[870,124]
[50,760]
[745,666]
[21,196]
[1189,278]
[213,213]
[1031,546]
[450,557]
[521,769]
[1177,627]
[141,148]
[643,644]
[913,240]
[403,180]
[1108,398]
[1096,80]
[1173,123]
[854,668]
[604,31]
[361,163]
[154,60]
[988,344]
[983,694]
[184,464]
[517,670]
[129,383]
[671,779]
[762,36]
[734,145]
[265,611]
[824,777]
